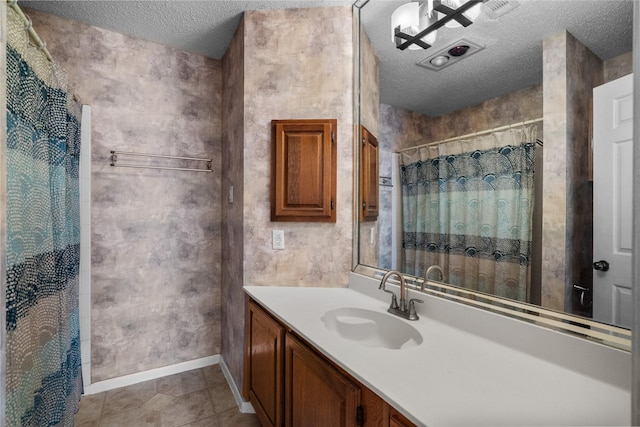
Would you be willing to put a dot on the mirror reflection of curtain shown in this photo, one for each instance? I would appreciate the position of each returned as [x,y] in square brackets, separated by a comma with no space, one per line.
[467,206]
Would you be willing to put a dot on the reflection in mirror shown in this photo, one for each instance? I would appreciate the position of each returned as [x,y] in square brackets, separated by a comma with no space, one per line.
[486,166]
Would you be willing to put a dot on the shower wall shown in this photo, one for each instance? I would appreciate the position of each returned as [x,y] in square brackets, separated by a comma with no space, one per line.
[155,234]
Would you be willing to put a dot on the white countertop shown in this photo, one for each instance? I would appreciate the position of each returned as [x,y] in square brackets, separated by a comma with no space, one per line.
[459,378]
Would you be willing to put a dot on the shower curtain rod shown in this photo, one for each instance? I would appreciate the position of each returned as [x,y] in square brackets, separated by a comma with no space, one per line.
[42,46]
[469,135]
[114,160]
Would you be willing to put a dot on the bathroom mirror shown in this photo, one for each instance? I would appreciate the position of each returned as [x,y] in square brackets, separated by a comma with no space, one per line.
[506,81]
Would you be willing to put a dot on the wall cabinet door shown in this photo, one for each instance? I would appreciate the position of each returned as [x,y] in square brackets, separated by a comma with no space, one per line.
[304,170]
[316,394]
[369,176]
[264,361]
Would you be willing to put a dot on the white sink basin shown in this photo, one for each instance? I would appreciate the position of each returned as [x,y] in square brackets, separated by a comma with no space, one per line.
[371,328]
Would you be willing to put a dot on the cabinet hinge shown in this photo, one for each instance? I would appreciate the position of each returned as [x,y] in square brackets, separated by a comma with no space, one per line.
[333,204]
[360,415]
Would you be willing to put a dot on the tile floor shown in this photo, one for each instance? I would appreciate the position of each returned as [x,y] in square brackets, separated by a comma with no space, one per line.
[197,398]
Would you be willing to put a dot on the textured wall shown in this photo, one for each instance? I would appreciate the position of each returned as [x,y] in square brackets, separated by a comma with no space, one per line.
[155,234]
[279,85]
[617,67]
[369,118]
[232,213]
[584,72]
[570,73]
[408,129]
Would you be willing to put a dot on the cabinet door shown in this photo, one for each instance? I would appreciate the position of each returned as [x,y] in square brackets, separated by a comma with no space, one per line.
[316,394]
[304,170]
[264,362]
[396,419]
[369,176]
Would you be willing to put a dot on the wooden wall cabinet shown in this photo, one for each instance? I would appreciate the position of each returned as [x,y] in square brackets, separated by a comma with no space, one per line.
[304,170]
[369,176]
[290,384]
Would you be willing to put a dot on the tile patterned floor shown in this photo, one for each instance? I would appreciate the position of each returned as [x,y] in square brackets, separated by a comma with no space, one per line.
[197,398]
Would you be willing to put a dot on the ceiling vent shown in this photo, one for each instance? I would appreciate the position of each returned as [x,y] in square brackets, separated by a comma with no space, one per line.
[450,54]
[496,9]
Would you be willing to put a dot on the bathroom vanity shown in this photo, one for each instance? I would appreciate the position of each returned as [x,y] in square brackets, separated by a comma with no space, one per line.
[336,356]
[288,381]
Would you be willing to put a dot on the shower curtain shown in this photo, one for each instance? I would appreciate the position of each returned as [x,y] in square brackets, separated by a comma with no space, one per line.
[43,381]
[467,206]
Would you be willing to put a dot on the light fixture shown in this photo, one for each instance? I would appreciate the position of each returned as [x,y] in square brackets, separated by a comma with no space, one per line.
[446,56]
[414,25]
[446,7]
[410,19]
[439,61]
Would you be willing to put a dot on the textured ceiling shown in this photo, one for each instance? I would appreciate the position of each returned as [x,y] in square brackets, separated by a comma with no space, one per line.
[202,26]
[511,60]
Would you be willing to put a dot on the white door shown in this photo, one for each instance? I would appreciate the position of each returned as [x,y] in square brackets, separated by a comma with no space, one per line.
[612,201]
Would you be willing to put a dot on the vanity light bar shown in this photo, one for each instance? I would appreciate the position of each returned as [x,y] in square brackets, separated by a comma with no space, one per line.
[449,16]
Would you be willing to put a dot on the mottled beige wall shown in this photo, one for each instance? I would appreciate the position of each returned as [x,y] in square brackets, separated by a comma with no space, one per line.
[369,118]
[408,129]
[298,65]
[155,234]
[618,66]
[571,72]
[278,84]
[369,85]
[232,212]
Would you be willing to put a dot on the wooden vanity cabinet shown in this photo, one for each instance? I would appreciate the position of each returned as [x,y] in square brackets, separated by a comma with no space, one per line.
[316,394]
[290,384]
[396,419]
[263,365]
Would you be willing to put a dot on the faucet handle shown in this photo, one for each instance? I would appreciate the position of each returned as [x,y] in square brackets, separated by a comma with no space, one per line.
[394,300]
[412,308]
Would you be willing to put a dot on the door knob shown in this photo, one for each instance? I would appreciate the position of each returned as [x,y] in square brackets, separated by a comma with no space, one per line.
[601,265]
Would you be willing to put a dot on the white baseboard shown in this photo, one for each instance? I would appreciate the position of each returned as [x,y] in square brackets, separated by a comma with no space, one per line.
[243,406]
[152,374]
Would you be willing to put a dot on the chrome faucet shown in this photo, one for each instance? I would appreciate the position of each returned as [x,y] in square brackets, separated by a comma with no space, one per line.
[408,311]
[427,274]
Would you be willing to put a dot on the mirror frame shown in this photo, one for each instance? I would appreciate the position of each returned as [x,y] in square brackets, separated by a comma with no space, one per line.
[577,326]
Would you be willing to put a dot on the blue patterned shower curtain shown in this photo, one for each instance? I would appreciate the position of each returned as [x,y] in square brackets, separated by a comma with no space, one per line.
[467,206]
[43,382]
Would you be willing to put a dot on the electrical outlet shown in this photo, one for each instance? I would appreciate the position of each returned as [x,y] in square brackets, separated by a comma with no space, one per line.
[277,239]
